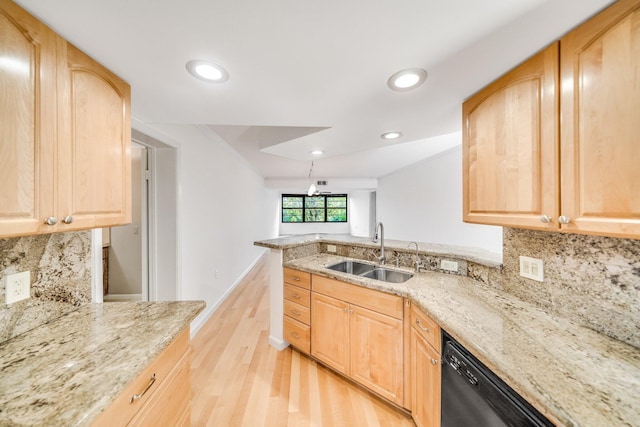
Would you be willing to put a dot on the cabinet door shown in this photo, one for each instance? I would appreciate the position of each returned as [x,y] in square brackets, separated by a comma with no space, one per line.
[425,382]
[28,117]
[94,144]
[600,63]
[330,336]
[510,147]
[376,352]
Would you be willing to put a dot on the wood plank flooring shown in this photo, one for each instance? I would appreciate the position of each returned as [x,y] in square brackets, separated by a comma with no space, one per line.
[238,379]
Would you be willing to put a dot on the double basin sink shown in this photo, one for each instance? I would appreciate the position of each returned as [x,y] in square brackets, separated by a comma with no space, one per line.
[371,271]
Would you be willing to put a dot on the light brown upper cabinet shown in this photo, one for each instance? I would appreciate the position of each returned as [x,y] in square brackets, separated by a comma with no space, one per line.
[527,165]
[510,146]
[600,133]
[65,135]
[28,121]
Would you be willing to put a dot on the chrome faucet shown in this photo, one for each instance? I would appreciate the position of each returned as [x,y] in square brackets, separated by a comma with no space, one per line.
[380,227]
[418,263]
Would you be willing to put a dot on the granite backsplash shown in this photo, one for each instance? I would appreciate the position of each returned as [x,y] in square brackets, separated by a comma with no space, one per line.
[60,266]
[593,280]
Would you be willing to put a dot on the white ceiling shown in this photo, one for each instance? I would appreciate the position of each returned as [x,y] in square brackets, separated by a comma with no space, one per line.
[312,75]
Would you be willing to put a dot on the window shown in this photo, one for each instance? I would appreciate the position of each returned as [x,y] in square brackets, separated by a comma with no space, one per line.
[322,208]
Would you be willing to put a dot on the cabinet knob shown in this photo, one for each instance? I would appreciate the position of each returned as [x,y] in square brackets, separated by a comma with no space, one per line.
[67,219]
[564,219]
[345,309]
[434,362]
[52,220]
[545,219]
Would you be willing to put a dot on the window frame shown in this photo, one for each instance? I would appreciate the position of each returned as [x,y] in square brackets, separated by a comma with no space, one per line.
[304,208]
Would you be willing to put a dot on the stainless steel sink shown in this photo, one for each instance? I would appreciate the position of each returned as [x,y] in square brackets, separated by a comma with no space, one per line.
[371,271]
[352,267]
[386,275]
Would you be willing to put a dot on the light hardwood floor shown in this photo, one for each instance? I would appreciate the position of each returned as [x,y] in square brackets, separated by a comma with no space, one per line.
[238,379]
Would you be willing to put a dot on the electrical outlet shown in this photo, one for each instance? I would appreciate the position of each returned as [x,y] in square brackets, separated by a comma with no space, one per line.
[216,273]
[18,287]
[331,248]
[532,268]
[449,265]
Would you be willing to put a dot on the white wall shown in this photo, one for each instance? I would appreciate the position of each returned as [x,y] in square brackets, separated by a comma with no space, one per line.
[424,203]
[359,213]
[223,207]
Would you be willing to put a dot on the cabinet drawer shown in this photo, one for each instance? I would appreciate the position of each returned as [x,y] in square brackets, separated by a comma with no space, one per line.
[298,278]
[425,327]
[297,311]
[381,302]
[297,295]
[122,409]
[297,334]
[170,401]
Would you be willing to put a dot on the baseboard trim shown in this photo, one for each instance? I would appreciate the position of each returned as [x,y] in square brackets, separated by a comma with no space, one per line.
[122,297]
[199,321]
[277,343]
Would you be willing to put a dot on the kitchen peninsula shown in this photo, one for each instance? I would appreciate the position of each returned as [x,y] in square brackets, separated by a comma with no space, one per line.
[572,374]
[70,370]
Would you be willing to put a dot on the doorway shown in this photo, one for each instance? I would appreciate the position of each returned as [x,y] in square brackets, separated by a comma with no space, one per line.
[126,266]
[152,264]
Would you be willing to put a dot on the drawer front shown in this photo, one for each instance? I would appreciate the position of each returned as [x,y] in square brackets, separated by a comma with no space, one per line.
[297,295]
[298,278]
[381,302]
[426,327]
[122,409]
[171,401]
[297,311]
[297,334]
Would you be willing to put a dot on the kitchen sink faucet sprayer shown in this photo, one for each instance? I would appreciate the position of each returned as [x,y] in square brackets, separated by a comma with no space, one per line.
[380,227]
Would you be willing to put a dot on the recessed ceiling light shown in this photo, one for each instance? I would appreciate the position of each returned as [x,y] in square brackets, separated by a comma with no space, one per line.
[317,152]
[407,79]
[207,71]
[391,135]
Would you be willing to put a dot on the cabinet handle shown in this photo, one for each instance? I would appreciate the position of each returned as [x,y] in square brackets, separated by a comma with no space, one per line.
[296,336]
[296,296]
[545,219]
[434,362]
[52,220]
[422,327]
[146,389]
[350,311]
[67,219]
[294,312]
[297,279]
[345,309]
[564,219]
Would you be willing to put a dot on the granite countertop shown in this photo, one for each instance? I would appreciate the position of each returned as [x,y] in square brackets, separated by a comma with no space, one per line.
[67,371]
[573,375]
[477,255]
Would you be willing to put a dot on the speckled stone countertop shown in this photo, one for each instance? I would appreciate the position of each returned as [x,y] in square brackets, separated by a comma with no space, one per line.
[66,372]
[573,375]
[476,255]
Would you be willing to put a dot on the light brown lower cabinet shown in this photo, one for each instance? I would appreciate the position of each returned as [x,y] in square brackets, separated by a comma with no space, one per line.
[425,370]
[359,333]
[160,395]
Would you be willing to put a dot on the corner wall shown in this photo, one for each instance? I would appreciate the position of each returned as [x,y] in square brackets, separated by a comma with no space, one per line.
[423,202]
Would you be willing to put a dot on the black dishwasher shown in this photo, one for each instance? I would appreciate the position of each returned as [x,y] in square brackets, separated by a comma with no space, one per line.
[473,396]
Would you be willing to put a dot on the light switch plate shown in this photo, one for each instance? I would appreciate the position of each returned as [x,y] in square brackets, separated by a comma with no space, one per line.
[532,268]
[18,287]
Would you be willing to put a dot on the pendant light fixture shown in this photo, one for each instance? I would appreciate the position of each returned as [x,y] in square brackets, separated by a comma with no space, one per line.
[312,187]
